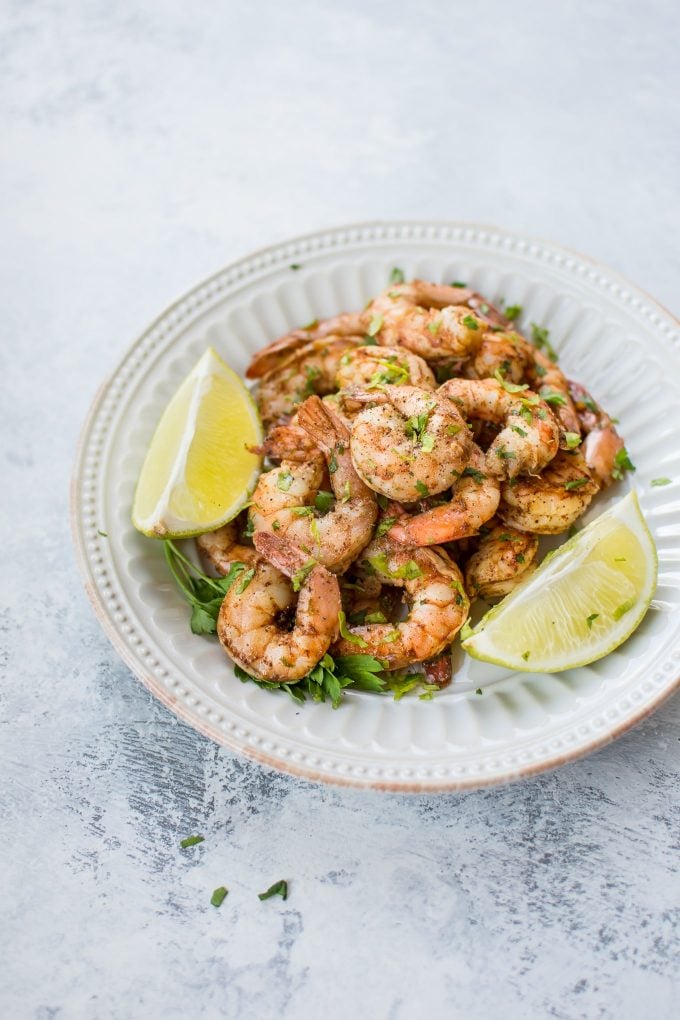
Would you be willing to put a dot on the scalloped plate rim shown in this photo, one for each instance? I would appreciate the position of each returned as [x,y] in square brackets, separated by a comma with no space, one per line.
[213,732]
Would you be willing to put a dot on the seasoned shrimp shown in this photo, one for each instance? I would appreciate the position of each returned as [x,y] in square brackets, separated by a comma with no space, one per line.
[269,631]
[530,437]
[272,357]
[474,499]
[429,319]
[285,500]
[550,503]
[312,368]
[436,600]
[603,442]
[219,549]
[504,557]
[288,442]
[410,443]
[376,366]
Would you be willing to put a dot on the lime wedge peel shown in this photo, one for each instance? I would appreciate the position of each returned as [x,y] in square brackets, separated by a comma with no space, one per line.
[584,600]
[198,474]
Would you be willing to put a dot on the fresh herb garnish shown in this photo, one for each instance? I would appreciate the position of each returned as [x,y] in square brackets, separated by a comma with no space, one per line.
[458,283]
[479,691]
[375,325]
[434,326]
[204,594]
[323,501]
[575,483]
[513,312]
[415,427]
[328,679]
[422,489]
[427,443]
[384,526]
[622,463]
[661,481]
[219,896]
[509,387]
[301,575]
[105,535]
[278,889]
[552,397]
[333,464]
[397,275]
[284,480]
[295,265]
[539,336]
[470,472]
[572,439]
[590,619]
[470,322]
[191,841]
[525,656]
[245,581]
[355,639]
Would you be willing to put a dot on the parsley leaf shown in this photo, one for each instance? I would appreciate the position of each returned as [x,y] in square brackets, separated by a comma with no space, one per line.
[509,387]
[661,481]
[572,439]
[300,576]
[219,896]
[422,488]
[284,480]
[278,889]
[355,639]
[204,594]
[539,336]
[513,312]
[323,501]
[384,526]
[397,275]
[471,472]
[375,325]
[590,619]
[191,841]
[552,397]
[575,483]
[622,463]
[470,322]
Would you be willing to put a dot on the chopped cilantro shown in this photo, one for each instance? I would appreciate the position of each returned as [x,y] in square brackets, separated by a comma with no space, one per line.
[552,397]
[471,472]
[356,639]
[427,443]
[245,581]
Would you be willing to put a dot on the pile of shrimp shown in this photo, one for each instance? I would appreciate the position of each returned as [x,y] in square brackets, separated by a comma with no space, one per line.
[414,453]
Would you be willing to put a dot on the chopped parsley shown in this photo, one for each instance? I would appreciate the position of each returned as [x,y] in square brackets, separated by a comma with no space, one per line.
[539,336]
[470,322]
[622,463]
[332,464]
[661,481]
[458,283]
[397,275]
[278,889]
[427,443]
[572,439]
[590,619]
[471,472]
[422,489]
[375,325]
[415,427]
[384,526]
[553,397]
[328,679]
[219,896]
[284,480]
[575,483]
[245,581]
[355,639]
[295,266]
[301,575]
[434,327]
[323,501]
[509,387]
[513,312]
[408,571]
[525,656]
[191,841]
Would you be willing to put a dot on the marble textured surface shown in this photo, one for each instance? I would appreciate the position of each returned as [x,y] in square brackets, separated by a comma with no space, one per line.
[144,146]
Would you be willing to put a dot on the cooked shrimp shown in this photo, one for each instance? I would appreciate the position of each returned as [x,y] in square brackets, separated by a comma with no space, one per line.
[269,631]
[429,319]
[310,369]
[436,600]
[549,379]
[530,437]
[219,549]
[505,353]
[288,442]
[410,443]
[504,557]
[285,500]
[603,442]
[376,366]
[278,351]
[473,501]
[550,503]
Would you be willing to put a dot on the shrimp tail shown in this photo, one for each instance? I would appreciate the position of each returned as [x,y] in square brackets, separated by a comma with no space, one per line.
[282,554]
[321,424]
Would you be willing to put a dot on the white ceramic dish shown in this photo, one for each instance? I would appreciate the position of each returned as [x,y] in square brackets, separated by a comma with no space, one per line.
[609,335]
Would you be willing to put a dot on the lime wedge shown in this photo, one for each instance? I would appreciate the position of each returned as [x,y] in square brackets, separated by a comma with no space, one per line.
[584,600]
[198,472]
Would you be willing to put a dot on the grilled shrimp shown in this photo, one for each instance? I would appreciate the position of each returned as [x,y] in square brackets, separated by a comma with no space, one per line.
[530,437]
[474,499]
[288,442]
[410,443]
[271,632]
[430,319]
[503,558]
[551,502]
[219,549]
[436,600]
[309,369]
[602,440]
[272,357]
[377,366]
[285,499]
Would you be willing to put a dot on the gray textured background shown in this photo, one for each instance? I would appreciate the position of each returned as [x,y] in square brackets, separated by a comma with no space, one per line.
[144,146]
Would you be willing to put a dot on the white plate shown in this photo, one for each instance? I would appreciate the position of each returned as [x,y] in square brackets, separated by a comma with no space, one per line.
[609,335]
